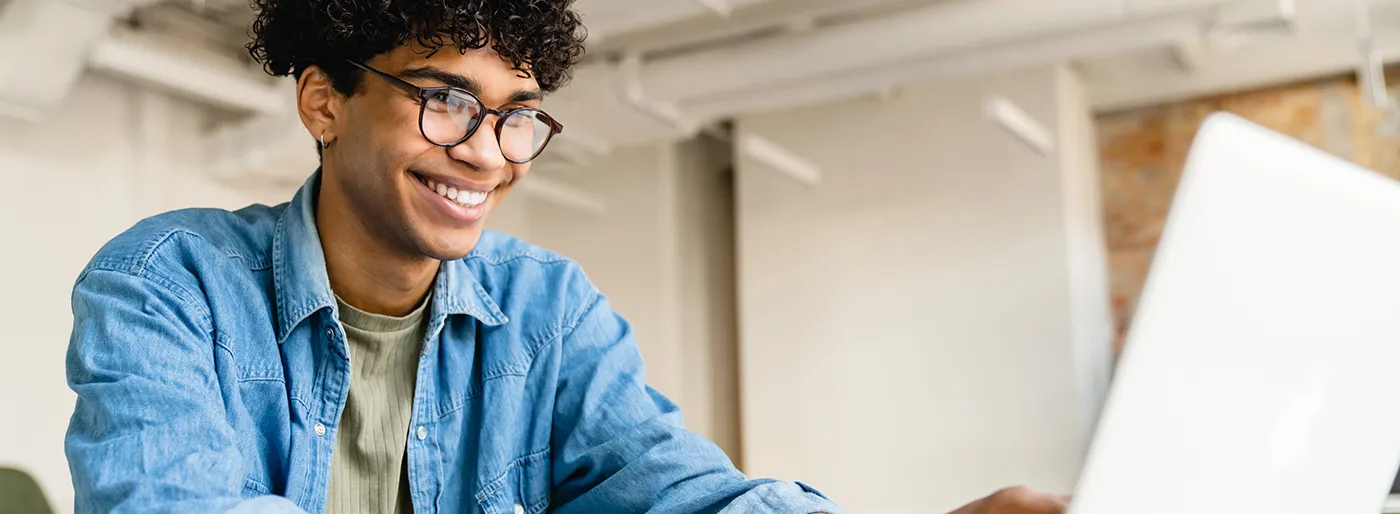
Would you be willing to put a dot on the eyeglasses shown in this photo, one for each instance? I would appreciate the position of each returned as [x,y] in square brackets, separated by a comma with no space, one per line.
[449,116]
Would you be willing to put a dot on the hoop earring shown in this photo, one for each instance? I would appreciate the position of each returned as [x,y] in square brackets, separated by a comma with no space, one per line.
[323,140]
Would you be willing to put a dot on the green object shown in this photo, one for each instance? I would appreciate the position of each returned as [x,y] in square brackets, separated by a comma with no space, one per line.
[367,465]
[21,494]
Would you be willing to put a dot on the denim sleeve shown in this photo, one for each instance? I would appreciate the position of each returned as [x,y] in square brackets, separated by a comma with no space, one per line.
[149,433]
[619,446]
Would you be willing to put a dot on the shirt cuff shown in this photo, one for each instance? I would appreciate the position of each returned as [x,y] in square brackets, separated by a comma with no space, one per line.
[783,497]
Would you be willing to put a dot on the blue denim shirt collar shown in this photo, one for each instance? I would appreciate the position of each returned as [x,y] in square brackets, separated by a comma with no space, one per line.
[303,288]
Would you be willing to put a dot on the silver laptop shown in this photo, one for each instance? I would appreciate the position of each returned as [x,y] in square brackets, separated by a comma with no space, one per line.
[1262,372]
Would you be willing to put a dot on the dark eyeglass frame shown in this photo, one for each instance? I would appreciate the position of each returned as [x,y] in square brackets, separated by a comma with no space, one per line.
[424,94]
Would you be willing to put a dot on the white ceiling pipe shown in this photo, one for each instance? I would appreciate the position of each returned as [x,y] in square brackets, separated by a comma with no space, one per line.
[1020,124]
[1156,32]
[938,29]
[780,159]
[110,8]
[1046,51]
[720,7]
[1191,54]
[1370,70]
[169,64]
[666,112]
[752,18]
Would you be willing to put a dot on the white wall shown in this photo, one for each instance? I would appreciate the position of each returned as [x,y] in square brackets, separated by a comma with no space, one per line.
[110,155]
[907,336]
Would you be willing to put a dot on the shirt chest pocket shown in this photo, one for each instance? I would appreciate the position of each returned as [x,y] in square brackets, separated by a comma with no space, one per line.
[524,488]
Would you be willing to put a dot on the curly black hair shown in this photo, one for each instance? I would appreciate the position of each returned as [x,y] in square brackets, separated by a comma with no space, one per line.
[543,38]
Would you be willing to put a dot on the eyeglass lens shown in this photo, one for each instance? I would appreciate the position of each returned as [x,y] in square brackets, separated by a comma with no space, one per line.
[448,116]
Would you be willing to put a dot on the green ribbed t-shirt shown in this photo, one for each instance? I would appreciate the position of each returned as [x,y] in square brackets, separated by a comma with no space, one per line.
[368,466]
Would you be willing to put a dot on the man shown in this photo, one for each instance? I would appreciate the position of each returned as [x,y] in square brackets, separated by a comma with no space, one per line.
[367,347]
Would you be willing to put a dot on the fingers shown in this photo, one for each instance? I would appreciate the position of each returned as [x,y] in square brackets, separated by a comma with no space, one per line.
[1017,500]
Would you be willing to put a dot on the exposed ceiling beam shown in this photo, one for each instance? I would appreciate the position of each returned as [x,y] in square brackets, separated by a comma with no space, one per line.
[975,39]
[1107,40]
[939,29]
[167,64]
[744,20]
[1127,82]
[608,18]
[52,36]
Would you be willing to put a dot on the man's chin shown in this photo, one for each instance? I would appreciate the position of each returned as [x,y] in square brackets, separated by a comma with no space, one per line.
[452,250]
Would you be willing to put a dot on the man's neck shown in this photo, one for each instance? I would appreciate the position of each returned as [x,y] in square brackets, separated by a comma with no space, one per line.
[364,271]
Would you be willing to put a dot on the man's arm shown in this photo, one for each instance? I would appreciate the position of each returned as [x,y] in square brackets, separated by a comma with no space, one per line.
[619,446]
[149,432]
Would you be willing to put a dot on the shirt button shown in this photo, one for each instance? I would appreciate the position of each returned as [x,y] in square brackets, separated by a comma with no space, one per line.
[422,433]
[330,333]
[519,509]
[320,429]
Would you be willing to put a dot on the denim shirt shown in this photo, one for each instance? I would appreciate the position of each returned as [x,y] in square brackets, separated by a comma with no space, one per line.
[211,371]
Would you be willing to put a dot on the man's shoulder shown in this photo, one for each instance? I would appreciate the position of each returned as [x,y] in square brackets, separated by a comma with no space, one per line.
[499,256]
[526,277]
[183,237]
[498,249]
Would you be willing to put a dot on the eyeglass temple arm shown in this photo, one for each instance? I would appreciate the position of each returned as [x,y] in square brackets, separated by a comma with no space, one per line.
[392,80]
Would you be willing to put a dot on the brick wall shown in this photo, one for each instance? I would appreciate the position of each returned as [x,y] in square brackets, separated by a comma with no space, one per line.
[1143,152]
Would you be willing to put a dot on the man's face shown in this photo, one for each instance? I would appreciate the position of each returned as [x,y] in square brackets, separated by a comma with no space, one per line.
[384,165]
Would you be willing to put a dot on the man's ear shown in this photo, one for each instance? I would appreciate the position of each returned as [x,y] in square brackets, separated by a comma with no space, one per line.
[319,104]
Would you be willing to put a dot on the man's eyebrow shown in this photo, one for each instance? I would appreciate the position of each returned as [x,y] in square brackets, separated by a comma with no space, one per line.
[445,77]
[462,82]
[526,95]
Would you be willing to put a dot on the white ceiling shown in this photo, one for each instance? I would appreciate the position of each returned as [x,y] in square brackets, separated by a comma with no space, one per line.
[781,54]
[662,69]
[607,18]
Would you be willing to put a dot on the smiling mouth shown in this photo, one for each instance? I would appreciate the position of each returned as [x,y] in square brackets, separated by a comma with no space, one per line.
[462,197]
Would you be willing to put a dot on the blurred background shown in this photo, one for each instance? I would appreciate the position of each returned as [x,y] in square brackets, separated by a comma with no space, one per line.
[887,247]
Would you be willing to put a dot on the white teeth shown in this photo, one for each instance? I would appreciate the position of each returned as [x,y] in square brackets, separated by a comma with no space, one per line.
[462,197]
[471,198]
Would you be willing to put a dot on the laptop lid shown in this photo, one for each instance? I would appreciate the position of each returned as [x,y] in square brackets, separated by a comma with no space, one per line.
[1262,371]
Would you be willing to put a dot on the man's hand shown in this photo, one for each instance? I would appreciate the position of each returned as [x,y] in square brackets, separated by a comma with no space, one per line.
[1017,500]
